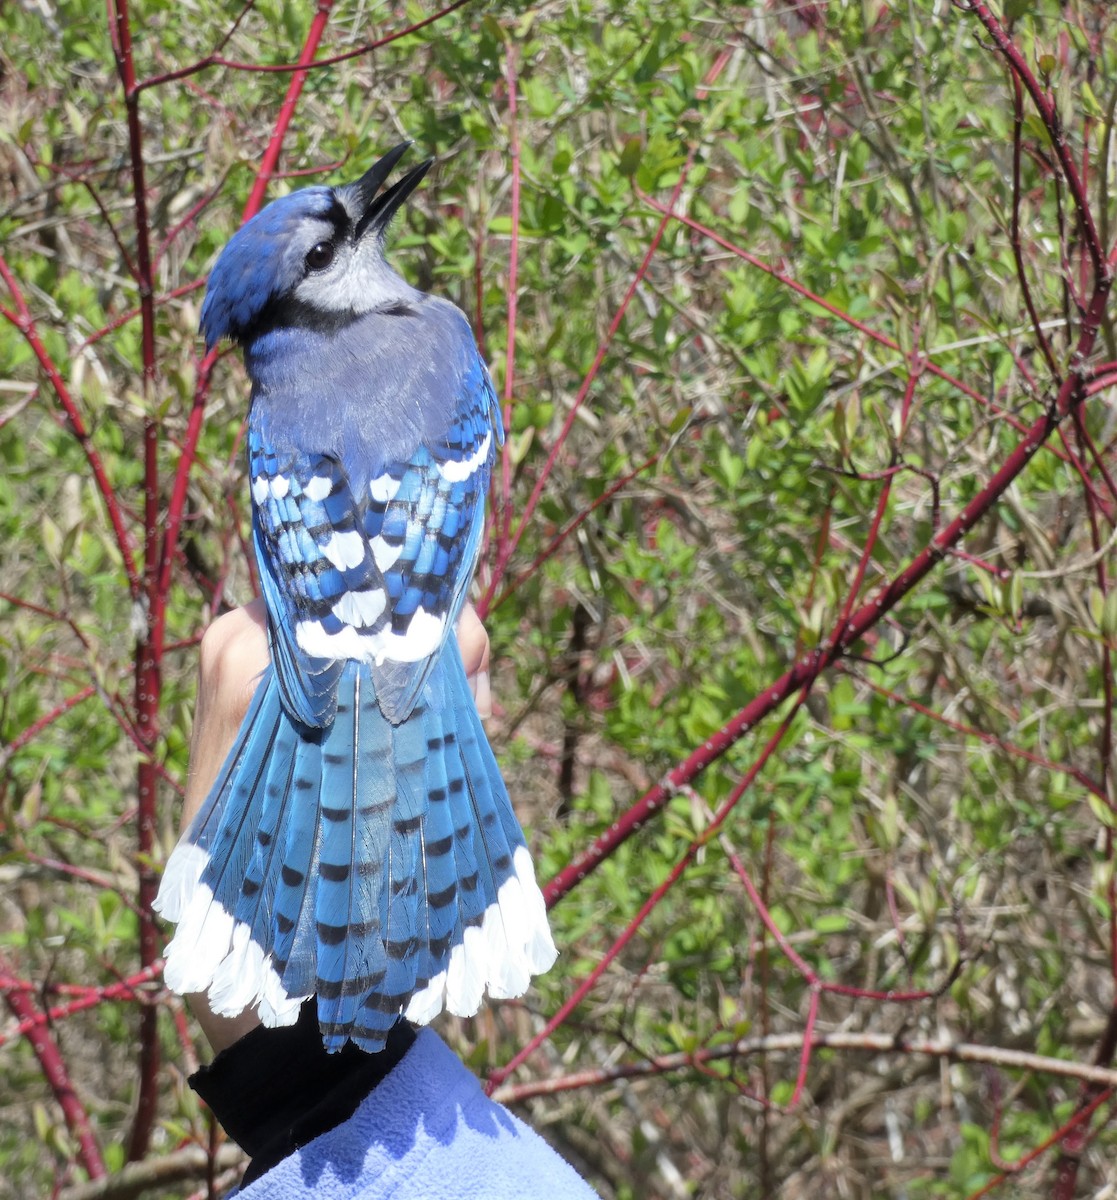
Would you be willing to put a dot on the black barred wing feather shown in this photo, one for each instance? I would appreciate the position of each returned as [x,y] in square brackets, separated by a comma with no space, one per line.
[377,578]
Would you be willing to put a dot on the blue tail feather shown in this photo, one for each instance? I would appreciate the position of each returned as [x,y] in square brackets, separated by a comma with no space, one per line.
[333,913]
[401,900]
[404,902]
[359,796]
[253,905]
[484,771]
[473,896]
[231,841]
[439,868]
[293,876]
[494,854]
[370,862]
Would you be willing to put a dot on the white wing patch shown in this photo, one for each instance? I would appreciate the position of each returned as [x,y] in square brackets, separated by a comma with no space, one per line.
[459,470]
[383,488]
[264,486]
[345,550]
[360,608]
[318,487]
[423,637]
[384,555]
[346,643]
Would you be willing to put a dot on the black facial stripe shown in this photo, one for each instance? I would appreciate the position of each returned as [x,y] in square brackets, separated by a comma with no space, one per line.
[338,218]
[288,313]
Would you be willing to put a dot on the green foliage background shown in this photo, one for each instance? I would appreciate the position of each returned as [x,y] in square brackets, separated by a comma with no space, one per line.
[865,150]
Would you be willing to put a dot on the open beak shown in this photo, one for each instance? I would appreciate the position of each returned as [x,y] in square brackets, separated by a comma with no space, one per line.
[379,209]
[373,179]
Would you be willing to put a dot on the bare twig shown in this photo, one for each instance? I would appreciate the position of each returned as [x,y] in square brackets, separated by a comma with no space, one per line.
[793,1043]
[160,1172]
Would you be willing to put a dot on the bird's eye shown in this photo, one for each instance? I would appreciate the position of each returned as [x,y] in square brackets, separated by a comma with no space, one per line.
[320,256]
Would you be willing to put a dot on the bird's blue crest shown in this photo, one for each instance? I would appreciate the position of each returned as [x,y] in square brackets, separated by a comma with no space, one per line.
[261,262]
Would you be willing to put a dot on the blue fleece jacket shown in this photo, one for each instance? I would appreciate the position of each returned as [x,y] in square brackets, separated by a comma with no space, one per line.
[426,1132]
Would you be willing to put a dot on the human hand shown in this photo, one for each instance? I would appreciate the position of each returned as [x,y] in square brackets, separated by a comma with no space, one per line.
[234,654]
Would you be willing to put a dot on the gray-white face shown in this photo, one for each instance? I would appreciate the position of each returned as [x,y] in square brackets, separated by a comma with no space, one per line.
[342,272]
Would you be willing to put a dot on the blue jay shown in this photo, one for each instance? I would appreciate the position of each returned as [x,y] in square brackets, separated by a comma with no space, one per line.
[359,843]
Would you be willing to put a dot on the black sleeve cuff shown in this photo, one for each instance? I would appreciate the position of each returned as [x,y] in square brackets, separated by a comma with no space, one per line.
[277,1089]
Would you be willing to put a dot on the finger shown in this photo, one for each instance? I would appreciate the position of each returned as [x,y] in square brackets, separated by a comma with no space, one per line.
[473,642]
[234,653]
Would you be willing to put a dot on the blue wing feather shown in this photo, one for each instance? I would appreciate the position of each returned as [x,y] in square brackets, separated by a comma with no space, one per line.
[397,558]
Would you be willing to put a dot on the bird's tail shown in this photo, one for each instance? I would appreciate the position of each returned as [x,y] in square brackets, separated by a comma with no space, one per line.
[379,866]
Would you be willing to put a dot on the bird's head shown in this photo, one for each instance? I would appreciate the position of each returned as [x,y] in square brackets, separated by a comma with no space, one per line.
[314,258]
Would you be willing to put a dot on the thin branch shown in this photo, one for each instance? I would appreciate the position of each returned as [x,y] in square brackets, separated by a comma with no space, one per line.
[793,1043]
[723,813]
[191,1162]
[148,688]
[88,997]
[216,60]
[505,511]
[287,108]
[22,320]
[53,1066]
[881,339]
[33,730]
[1017,246]
[508,546]
[557,541]
[1050,117]
[990,739]
[133,313]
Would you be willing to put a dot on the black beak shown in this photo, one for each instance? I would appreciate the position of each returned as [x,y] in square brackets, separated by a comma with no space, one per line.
[381,209]
[373,179]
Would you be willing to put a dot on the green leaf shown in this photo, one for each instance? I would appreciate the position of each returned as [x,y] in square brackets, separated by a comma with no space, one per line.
[630,157]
